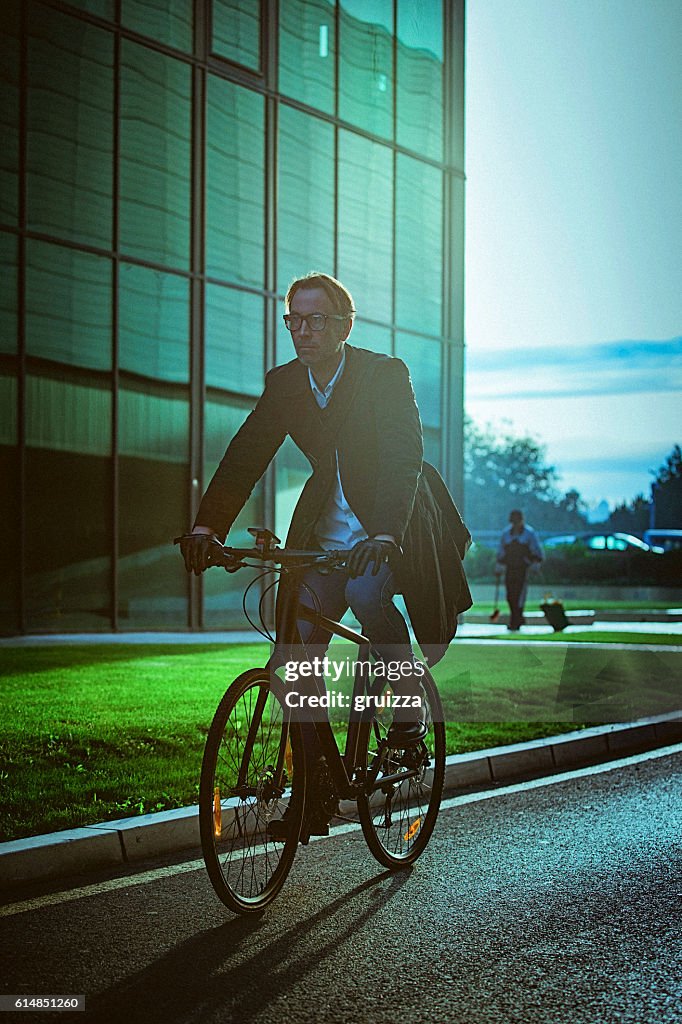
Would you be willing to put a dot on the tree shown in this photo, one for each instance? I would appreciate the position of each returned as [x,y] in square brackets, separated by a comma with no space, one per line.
[511,464]
[671,468]
[666,492]
[508,471]
[572,512]
[629,516]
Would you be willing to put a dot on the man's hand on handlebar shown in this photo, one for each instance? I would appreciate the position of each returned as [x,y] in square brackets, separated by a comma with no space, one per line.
[200,550]
[374,552]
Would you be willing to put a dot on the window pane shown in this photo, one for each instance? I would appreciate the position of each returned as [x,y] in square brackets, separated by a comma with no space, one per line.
[8,411]
[8,293]
[169,21]
[284,346]
[306,52]
[420,77]
[154,323]
[104,8]
[305,208]
[371,336]
[365,244]
[223,418]
[234,184]
[9,111]
[419,246]
[9,506]
[70,129]
[153,506]
[432,446]
[68,504]
[68,305]
[236,31]
[222,591]
[155,156]
[154,423]
[366,64]
[424,361]
[68,416]
[234,340]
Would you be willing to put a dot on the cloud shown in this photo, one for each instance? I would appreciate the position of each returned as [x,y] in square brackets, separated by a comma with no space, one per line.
[613,368]
[615,464]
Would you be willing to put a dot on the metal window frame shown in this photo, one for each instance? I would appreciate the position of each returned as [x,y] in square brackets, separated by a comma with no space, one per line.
[203,62]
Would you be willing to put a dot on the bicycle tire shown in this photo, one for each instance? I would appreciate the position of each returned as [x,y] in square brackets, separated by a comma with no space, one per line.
[252,770]
[398,820]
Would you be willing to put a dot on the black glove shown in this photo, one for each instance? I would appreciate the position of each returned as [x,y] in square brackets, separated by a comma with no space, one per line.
[197,549]
[369,551]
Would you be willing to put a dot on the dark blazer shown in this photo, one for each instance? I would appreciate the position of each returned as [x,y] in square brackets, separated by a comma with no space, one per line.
[371,419]
[431,574]
[373,423]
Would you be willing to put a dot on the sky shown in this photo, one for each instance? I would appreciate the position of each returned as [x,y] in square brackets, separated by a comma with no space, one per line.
[573,296]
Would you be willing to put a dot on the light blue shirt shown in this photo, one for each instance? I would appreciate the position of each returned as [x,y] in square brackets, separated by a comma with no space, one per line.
[528,536]
[338,526]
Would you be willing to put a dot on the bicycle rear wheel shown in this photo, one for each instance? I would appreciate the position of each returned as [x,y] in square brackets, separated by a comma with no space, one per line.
[398,817]
[252,771]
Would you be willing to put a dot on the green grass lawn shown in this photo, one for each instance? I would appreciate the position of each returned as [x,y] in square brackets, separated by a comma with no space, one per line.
[94,733]
[574,604]
[597,636]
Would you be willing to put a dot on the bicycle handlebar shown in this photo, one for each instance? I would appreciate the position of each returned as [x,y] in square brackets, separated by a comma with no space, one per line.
[266,550]
[286,556]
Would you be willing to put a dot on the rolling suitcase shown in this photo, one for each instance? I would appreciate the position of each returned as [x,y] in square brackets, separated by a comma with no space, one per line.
[555,614]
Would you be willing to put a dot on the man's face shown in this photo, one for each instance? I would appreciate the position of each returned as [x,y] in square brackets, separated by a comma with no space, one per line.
[317,348]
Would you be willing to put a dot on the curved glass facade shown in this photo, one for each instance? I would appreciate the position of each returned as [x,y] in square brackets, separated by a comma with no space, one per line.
[167,168]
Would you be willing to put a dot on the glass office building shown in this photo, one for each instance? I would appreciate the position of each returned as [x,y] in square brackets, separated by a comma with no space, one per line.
[167,167]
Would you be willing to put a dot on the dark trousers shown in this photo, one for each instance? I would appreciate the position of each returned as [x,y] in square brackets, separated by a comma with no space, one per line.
[516,581]
[370,598]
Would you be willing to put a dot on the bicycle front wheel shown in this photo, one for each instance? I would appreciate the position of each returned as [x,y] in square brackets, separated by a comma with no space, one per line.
[252,772]
[399,815]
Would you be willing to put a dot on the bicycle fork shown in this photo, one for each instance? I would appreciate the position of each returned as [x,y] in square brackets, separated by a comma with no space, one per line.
[272,783]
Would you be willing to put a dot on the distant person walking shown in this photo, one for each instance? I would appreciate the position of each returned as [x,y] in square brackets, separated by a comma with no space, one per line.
[519,549]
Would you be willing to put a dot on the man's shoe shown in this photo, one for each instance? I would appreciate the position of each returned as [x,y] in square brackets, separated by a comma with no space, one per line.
[321,806]
[405,734]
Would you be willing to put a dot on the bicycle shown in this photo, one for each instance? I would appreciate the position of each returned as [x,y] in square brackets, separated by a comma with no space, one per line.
[255,763]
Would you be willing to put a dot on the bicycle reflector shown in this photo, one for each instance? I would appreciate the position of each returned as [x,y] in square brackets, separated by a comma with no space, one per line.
[289,758]
[386,703]
[412,830]
[217,813]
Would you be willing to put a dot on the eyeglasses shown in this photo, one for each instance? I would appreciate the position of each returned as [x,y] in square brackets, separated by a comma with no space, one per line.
[315,321]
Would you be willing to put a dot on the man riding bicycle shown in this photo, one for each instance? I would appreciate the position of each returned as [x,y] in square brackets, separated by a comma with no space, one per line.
[352,412]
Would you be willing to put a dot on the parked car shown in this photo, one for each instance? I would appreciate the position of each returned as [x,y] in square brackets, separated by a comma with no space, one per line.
[666,540]
[623,542]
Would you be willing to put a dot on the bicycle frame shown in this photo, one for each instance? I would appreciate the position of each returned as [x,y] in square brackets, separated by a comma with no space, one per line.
[341,766]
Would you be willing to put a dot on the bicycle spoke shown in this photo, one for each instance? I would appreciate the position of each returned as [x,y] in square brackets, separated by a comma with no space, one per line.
[244,775]
[398,816]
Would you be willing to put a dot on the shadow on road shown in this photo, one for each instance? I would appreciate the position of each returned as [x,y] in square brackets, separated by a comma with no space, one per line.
[215,973]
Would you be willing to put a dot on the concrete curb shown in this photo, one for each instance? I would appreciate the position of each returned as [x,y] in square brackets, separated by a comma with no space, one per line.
[114,844]
[586,617]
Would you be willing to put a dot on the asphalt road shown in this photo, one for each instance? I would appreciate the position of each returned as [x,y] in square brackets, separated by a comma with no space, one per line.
[547,902]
